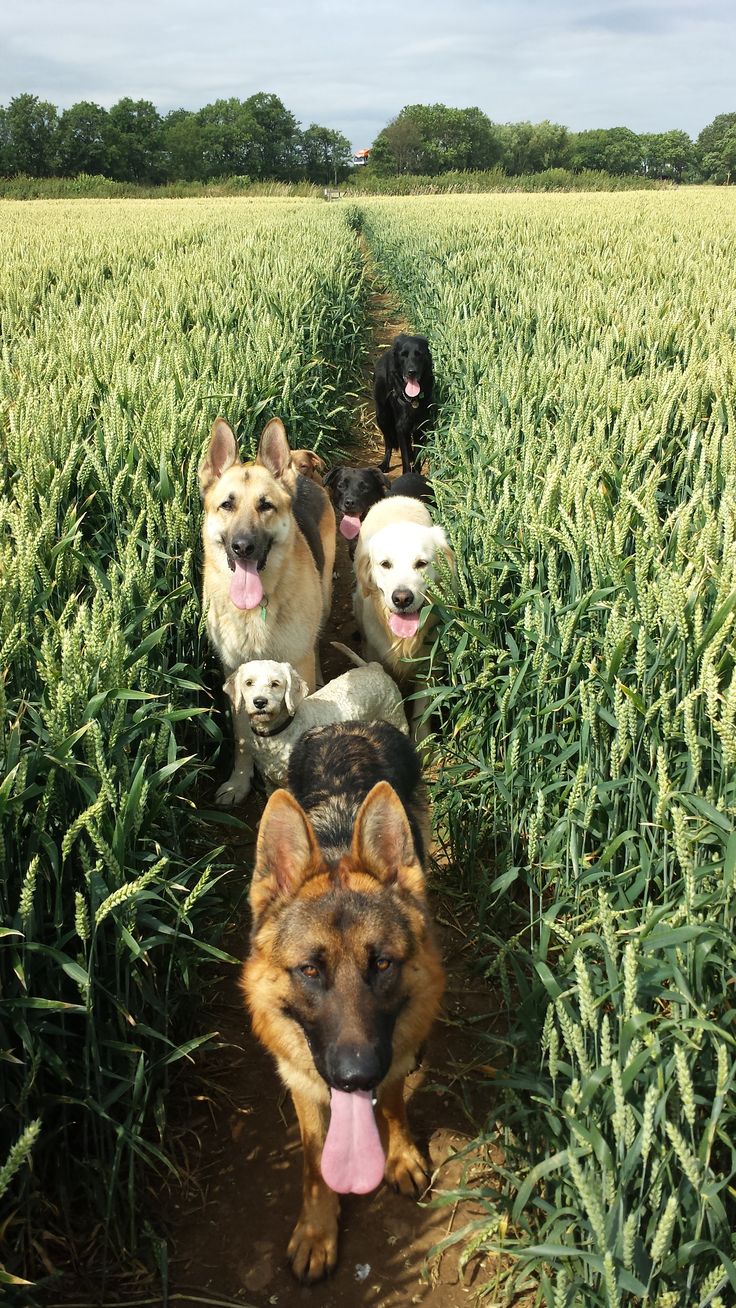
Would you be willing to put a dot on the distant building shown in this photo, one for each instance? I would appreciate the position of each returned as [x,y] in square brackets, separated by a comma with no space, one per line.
[361,156]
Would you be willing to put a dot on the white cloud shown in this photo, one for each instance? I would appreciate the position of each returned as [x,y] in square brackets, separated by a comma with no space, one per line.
[648,64]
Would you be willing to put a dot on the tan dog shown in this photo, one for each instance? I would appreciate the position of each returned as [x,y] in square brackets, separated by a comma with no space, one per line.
[344,978]
[269,551]
[394,563]
[309,464]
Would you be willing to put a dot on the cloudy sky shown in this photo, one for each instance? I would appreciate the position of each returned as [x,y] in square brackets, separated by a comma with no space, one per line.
[647,64]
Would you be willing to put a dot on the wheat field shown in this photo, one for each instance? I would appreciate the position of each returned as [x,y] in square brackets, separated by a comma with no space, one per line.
[584,462]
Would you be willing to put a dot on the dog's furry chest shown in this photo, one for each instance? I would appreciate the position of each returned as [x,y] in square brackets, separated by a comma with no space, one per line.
[262,633]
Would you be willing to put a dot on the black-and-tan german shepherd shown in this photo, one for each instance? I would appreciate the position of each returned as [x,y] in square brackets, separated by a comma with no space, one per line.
[344,978]
[269,551]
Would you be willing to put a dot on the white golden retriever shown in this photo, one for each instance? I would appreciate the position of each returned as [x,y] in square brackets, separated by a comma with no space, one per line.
[395,561]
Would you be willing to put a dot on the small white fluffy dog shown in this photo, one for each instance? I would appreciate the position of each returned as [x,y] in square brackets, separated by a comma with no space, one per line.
[272,709]
[394,563]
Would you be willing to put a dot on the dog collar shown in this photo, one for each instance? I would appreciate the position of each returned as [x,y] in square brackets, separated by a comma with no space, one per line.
[413,403]
[276,730]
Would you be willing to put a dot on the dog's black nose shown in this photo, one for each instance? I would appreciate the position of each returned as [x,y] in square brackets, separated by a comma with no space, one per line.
[349,505]
[355,1067]
[402,597]
[243,547]
[260,701]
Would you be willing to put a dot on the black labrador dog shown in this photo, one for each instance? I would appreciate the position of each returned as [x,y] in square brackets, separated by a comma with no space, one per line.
[402,386]
[355,490]
[414,485]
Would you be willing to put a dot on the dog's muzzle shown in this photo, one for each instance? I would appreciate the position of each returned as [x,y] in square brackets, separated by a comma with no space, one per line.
[403,599]
[248,548]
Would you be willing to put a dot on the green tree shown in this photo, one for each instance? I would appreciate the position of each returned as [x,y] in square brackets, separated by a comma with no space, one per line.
[30,136]
[398,148]
[183,140]
[325,155]
[615,150]
[229,138]
[276,139]
[5,168]
[667,154]
[531,147]
[713,148]
[432,138]
[83,140]
[728,153]
[136,141]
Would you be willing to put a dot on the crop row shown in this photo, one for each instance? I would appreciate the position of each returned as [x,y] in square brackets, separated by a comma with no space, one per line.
[585,461]
[125,328]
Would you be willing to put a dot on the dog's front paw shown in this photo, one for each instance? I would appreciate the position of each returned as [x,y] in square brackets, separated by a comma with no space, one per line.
[232,791]
[312,1251]
[406,1169]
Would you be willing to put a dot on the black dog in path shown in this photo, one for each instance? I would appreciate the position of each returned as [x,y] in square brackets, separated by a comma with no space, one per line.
[402,386]
[355,490]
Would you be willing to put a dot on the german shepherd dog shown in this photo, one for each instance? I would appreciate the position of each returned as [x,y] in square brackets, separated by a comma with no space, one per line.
[269,551]
[344,978]
[403,381]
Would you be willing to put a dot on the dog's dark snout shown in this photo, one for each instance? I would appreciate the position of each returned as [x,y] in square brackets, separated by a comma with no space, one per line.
[260,701]
[356,1067]
[243,547]
[402,597]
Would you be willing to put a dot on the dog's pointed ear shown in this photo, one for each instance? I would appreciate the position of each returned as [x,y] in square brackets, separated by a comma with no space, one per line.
[383,843]
[296,689]
[234,690]
[286,853]
[273,448]
[222,453]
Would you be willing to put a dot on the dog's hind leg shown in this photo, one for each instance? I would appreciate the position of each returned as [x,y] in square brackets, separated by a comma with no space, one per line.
[385,424]
[313,1245]
[406,1169]
[405,447]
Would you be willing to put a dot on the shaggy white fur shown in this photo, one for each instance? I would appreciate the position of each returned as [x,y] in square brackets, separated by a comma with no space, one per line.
[274,700]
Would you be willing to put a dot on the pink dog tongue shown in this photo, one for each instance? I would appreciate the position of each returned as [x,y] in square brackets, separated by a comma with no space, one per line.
[404,624]
[352,1159]
[411,388]
[349,527]
[246,591]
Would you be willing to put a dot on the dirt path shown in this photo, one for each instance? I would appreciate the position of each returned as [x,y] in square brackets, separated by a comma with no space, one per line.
[237,1139]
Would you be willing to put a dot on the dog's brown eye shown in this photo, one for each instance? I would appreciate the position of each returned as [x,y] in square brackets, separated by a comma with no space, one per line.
[385,563]
[227,505]
[264,505]
[383,964]
[249,682]
[275,685]
[309,971]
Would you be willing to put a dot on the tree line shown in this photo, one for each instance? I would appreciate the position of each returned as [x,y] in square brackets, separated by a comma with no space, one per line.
[433,139]
[132,142]
[260,138]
